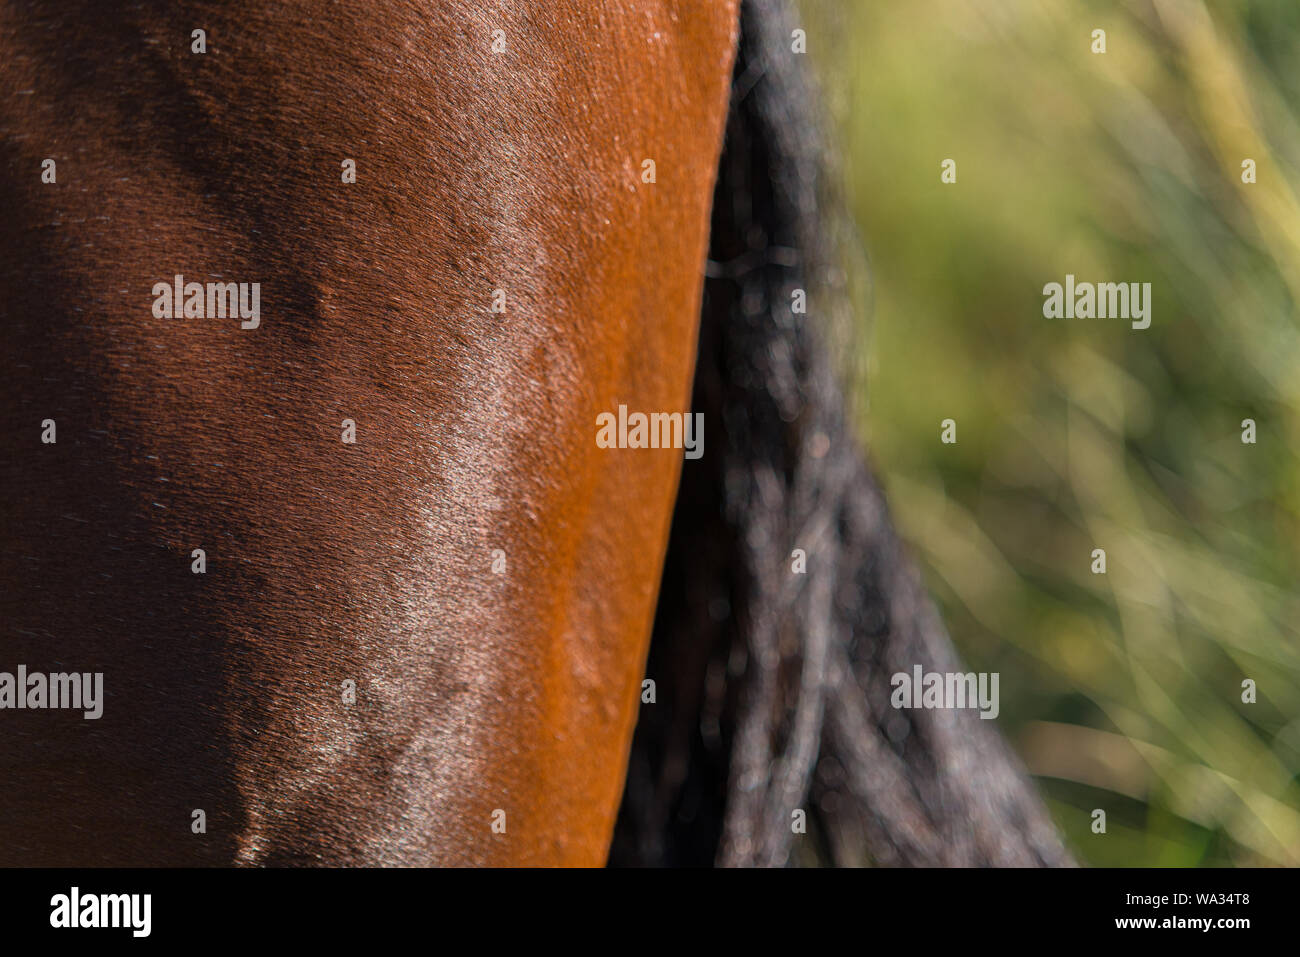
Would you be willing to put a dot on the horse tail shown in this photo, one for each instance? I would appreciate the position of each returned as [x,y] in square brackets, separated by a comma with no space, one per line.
[773,686]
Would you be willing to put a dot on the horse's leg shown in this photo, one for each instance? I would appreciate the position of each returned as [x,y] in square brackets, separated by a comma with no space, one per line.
[476,690]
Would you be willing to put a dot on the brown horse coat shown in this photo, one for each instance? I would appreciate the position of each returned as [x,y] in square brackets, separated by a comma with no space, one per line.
[477,690]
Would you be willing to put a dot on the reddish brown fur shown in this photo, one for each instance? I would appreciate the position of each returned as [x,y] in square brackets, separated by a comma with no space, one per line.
[476,171]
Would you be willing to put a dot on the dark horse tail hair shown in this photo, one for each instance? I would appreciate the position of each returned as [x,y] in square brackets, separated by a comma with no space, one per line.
[773,687]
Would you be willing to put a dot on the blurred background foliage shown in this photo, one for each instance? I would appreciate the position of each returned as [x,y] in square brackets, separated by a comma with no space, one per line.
[1120,691]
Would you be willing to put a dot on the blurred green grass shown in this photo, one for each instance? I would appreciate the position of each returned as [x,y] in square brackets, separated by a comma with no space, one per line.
[1121,691]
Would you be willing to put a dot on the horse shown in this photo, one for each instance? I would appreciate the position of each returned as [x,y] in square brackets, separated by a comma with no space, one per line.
[313,313]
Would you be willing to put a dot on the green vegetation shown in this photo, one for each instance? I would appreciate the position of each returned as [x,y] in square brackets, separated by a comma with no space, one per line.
[1121,691]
